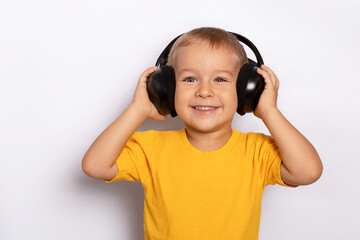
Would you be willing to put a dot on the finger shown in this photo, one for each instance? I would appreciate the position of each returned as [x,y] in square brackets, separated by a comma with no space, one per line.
[144,76]
[265,75]
[147,72]
[267,69]
[272,75]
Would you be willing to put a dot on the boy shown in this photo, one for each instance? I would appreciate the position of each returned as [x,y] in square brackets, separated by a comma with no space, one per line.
[206,180]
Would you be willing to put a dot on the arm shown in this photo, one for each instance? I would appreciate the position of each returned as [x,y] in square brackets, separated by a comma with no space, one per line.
[99,160]
[301,165]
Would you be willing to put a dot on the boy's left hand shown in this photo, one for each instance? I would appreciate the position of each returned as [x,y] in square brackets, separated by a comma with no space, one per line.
[268,98]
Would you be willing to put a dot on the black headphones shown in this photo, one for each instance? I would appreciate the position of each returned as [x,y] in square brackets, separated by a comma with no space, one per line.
[249,85]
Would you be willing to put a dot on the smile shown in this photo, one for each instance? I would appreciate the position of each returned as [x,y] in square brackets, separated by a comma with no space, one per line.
[204,108]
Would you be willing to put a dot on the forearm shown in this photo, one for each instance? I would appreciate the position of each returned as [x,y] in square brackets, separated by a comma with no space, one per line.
[299,157]
[99,160]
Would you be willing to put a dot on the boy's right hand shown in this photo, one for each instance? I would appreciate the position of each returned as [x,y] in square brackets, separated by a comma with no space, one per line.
[141,98]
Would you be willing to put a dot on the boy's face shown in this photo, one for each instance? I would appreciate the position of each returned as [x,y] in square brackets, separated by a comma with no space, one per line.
[205,93]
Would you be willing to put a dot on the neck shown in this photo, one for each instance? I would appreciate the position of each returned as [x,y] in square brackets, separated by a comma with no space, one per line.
[208,141]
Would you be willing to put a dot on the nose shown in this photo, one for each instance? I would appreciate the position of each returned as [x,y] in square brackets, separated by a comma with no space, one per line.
[204,90]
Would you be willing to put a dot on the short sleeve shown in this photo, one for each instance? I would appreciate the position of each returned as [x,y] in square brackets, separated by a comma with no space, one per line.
[131,162]
[270,162]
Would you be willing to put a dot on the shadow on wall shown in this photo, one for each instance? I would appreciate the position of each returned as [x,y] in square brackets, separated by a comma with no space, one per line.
[128,196]
[126,199]
[167,125]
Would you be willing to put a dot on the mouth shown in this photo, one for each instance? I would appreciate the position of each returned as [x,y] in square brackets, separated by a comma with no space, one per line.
[207,108]
[204,109]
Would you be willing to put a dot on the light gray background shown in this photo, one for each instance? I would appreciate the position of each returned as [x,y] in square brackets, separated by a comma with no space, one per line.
[69,68]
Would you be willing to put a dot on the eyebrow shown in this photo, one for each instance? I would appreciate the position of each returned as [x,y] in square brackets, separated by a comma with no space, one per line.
[217,71]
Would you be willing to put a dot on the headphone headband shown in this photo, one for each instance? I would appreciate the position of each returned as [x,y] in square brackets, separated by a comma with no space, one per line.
[163,58]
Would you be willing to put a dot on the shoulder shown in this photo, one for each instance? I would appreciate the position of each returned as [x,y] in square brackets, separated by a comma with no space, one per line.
[152,141]
[251,137]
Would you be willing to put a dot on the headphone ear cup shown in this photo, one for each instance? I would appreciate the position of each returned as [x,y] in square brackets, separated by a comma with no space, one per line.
[161,90]
[249,87]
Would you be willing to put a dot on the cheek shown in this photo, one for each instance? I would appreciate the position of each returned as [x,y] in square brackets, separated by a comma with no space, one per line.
[231,99]
[179,99]
[182,98]
[176,99]
[235,101]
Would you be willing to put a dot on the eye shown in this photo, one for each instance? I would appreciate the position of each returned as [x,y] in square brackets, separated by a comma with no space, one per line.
[189,79]
[219,80]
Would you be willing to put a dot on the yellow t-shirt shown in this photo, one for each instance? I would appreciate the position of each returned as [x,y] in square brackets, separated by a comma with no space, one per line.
[195,195]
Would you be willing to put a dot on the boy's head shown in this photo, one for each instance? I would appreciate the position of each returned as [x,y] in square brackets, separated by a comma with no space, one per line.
[215,37]
[207,62]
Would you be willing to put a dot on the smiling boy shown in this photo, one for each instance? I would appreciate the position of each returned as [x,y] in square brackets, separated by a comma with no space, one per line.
[205,95]
[206,180]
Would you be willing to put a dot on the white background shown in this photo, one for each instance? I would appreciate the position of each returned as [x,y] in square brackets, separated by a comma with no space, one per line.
[69,68]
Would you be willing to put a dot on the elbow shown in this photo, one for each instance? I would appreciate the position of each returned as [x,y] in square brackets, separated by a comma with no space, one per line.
[316,173]
[317,170]
[99,171]
[305,176]
[313,174]
[87,168]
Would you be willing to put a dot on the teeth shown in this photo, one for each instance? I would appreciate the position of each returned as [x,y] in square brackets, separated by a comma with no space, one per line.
[204,108]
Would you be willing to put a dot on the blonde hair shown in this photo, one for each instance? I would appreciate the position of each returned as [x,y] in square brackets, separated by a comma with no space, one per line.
[216,38]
